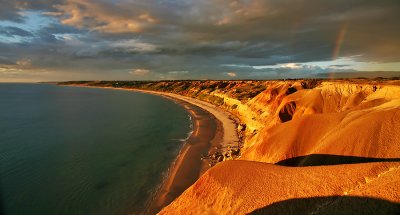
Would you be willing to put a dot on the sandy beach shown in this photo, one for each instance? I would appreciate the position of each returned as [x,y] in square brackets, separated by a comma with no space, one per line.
[212,128]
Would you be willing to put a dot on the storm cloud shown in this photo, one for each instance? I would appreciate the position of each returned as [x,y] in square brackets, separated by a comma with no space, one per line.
[177,39]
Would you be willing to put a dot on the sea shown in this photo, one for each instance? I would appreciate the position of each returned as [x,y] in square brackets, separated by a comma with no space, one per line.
[75,150]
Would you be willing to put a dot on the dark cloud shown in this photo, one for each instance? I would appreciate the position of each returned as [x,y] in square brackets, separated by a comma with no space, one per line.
[358,74]
[14,31]
[112,38]
[10,9]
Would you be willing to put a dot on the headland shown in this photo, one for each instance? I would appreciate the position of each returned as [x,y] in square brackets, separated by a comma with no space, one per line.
[318,146]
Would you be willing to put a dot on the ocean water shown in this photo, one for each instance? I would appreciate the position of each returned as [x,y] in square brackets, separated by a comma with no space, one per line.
[71,150]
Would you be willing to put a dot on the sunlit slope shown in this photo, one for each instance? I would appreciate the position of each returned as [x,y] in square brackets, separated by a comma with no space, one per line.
[342,141]
[240,187]
[334,119]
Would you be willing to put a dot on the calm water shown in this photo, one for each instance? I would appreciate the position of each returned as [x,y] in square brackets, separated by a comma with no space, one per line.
[69,150]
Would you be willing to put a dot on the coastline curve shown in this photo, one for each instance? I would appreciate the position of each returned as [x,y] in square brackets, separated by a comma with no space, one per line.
[213,128]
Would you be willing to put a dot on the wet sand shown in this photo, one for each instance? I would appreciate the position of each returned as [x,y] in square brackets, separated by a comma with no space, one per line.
[188,166]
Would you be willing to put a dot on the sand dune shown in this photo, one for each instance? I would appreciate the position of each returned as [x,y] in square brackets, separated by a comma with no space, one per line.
[241,187]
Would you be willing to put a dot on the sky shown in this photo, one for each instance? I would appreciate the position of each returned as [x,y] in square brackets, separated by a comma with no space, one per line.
[62,40]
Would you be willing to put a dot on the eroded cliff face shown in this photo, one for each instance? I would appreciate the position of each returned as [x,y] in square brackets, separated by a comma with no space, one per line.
[351,126]
[333,118]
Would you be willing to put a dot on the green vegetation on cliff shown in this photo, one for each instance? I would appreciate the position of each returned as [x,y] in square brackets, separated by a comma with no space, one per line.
[203,90]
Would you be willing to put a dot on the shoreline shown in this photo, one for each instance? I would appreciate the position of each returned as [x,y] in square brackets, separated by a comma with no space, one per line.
[205,138]
[188,166]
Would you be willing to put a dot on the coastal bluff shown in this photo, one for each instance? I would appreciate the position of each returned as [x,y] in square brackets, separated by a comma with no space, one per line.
[309,147]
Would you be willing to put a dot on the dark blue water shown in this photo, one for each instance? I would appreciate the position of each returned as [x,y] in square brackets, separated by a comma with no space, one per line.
[70,150]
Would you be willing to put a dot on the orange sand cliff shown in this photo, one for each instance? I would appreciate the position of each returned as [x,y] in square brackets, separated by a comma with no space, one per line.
[342,141]
[334,119]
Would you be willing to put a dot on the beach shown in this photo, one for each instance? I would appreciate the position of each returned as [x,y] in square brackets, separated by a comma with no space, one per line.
[213,128]
[187,167]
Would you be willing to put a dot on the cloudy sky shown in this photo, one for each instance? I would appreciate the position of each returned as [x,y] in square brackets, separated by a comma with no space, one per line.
[55,40]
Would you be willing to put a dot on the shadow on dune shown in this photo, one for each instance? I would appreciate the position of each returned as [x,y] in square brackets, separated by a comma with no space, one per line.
[331,205]
[326,159]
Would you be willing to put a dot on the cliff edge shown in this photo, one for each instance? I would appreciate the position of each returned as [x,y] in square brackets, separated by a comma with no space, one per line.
[331,148]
